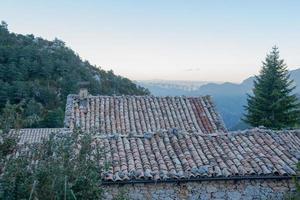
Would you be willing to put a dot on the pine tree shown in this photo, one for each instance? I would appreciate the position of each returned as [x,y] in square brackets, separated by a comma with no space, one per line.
[272,104]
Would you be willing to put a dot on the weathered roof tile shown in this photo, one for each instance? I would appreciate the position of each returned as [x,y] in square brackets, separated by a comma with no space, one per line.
[33,135]
[175,154]
[140,114]
[166,155]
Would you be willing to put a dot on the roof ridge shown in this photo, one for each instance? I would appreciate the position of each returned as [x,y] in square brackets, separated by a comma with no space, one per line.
[177,132]
[127,95]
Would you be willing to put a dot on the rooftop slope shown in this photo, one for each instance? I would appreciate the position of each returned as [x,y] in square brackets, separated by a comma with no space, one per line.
[140,114]
[33,135]
[175,155]
[172,155]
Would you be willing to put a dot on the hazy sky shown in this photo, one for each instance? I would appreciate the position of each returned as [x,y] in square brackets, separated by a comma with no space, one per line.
[174,40]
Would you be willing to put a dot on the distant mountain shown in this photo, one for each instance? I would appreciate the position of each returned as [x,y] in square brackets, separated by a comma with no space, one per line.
[165,87]
[230,98]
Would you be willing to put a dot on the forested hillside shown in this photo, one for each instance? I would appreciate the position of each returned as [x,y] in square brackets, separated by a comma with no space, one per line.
[36,75]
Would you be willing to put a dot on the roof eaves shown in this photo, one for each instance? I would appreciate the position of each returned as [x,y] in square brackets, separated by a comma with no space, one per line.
[200,179]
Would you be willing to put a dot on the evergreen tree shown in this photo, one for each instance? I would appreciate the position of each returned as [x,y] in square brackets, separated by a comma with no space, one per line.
[272,104]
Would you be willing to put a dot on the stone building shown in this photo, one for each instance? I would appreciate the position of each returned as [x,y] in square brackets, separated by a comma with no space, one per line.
[179,148]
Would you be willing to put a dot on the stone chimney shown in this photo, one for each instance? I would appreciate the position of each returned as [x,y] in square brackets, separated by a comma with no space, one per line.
[83,89]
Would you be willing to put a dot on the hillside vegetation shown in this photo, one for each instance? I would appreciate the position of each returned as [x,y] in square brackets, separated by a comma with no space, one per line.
[36,75]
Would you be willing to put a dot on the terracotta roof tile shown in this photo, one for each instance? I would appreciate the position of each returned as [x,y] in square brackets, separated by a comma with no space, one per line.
[140,114]
[176,154]
[32,135]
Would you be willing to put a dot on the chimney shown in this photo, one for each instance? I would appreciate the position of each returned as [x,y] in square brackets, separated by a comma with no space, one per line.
[83,89]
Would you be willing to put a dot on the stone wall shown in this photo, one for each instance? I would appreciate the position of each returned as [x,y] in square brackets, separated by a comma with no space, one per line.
[244,189]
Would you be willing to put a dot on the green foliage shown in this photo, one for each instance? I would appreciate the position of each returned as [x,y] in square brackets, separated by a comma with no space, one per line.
[7,145]
[122,194]
[295,195]
[53,118]
[11,116]
[273,105]
[45,72]
[65,166]
[297,182]
[23,114]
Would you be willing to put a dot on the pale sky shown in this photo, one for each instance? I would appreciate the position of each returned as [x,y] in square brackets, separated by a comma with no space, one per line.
[171,40]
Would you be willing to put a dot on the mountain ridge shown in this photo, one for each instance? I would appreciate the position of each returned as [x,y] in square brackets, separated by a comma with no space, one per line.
[229,97]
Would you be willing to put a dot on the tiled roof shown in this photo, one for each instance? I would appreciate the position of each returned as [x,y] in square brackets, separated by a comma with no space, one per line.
[175,155]
[140,114]
[33,135]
